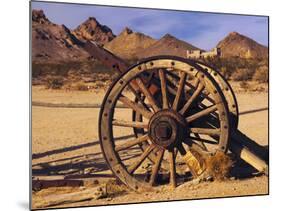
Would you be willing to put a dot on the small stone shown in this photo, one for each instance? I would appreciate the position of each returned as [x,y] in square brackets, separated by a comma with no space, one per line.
[96,182]
[109,199]
[196,181]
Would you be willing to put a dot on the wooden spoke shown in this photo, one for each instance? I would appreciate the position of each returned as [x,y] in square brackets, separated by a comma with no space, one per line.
[156,166]
[204,95]
[148,95]
[181,149]
[125,123]
[176,152]
[163,88]
[179,91]
[137,95]
[149,78]
[131,143]
[197,92]
[124,137]
[193,86]
[206,131]
[201,113]
[196,146]
[136,107]
[201,140]
[172,78]
[169,86]
[171,158]
[135,165]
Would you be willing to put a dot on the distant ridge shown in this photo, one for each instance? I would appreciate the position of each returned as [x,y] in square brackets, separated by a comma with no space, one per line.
[167,45]
[129,44]
[54,43]
[238,45]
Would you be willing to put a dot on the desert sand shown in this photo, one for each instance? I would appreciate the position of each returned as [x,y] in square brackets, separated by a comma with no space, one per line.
[65,142]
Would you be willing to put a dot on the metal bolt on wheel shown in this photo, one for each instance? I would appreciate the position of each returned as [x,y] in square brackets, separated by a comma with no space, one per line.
[175,104]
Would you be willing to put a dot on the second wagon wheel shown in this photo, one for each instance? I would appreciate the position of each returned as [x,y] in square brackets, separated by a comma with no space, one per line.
[227,91]
[176,104]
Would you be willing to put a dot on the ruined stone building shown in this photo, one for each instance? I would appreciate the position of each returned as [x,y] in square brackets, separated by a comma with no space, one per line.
[193,54]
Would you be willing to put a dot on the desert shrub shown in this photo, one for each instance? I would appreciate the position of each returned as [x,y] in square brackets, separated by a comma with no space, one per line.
[81,87]
[244,85]
[55,83]
[98,67]
[233,66]
[62,69]
[132,60]
[242,74]
[225,72]
[261,74]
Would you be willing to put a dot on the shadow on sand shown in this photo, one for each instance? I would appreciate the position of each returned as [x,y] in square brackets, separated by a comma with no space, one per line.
[78,166]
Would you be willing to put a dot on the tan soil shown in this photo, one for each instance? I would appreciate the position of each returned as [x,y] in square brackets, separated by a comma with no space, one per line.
[65,141]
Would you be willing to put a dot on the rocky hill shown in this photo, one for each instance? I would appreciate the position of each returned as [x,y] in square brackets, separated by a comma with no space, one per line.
[129,44]
[167,45]
[52,42]
[92,30]
[238,45]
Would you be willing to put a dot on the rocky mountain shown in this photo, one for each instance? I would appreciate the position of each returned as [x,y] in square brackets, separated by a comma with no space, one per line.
[129,44]
[92,30]
[52,42]
[167,45]
[238,45]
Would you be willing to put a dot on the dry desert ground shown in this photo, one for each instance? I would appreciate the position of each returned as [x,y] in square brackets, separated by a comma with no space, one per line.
[65,142]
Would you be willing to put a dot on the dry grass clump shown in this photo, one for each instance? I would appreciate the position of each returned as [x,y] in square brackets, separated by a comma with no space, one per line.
[218,166]
[115,188]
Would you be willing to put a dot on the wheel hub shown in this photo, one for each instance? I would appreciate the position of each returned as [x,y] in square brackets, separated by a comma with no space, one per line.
[163,130]
[166,128]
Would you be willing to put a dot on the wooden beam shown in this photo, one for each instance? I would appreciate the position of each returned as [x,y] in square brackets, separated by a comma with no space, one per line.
[80,195]
[246,154]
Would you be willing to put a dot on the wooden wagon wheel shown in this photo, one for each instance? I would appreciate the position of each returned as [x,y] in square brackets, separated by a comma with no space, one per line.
[224,87]
[177,107]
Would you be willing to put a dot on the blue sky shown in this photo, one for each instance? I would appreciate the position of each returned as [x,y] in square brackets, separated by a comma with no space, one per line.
[203,30]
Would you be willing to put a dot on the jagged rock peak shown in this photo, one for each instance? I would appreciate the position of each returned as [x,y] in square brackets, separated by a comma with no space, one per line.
[127,31]
[168,36]
[92,23]
[234,33]
[239,45]
[92,30]
[39,16]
